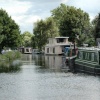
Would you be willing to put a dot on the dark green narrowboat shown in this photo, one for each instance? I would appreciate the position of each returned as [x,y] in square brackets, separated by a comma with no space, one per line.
[87,60]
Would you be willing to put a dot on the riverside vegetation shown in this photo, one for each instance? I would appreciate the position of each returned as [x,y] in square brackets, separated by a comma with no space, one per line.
[9,61]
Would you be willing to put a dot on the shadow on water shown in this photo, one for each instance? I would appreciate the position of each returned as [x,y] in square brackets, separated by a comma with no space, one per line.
[10,66]
[50,63]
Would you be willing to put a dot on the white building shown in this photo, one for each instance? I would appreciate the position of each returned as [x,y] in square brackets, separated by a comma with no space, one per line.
[56,45]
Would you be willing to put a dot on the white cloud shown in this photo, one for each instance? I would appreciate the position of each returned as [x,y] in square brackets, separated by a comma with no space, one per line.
[90,6]
[26,20]
[32,19]
[14,7]
[18,11]
[64,1]
[26,12]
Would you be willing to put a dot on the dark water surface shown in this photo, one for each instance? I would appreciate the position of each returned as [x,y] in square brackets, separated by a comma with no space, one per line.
[46,78]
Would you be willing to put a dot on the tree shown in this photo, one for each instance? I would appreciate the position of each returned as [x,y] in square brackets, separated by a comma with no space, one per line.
[43,30]
[97,27]
[71,21]
[39,34]
[27,39]
[9,31]
[51,27]
[1,38]
[59,13]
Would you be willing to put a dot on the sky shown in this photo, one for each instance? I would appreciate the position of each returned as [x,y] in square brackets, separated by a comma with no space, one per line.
[27,12]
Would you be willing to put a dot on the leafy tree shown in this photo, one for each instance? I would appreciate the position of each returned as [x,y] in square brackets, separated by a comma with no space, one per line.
[52,28]
[71,21]
[9,31]
[97,27]
[59,13]
[1,38]
[34,43]
[43,30]
[27,39]
[39,35]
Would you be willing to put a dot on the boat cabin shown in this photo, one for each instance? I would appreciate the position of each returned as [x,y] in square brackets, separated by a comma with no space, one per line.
[25,50]
[55,46]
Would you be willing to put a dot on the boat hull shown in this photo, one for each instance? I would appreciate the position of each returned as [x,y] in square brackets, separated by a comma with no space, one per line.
[87,69]
[78,66]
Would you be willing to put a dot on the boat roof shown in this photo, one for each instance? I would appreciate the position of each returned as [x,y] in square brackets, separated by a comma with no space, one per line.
[89,48]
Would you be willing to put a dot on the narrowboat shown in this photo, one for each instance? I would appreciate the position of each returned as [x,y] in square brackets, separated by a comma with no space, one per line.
[87,60]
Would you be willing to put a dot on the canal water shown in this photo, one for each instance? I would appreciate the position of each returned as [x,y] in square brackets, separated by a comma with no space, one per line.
[47,78]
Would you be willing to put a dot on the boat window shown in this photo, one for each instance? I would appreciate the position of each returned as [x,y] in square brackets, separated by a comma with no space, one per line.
[80,54]
[27,50]
[53,50]
[92,56]
[60,40]
[47,50]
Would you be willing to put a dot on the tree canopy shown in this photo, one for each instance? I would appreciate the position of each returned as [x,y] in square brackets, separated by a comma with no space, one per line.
[9,31]
[97,27]
[43,30]
[26,39]
[71,21]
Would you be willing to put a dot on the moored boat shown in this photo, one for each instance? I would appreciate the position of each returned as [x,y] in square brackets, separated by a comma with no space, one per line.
[87,60]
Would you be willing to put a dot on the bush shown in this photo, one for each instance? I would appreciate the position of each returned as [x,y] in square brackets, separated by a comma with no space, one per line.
[9,62]
[11,55]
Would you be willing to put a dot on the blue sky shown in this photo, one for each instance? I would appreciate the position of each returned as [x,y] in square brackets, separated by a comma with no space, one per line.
[26,12]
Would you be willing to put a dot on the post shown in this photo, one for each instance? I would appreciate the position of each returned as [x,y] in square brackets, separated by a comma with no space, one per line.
[74,48]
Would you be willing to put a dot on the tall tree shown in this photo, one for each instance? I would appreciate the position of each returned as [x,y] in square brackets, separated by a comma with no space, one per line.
[27,39]
[9,31]
[51,27]
[97,27]
[43,30]
[39,34]
[71,21]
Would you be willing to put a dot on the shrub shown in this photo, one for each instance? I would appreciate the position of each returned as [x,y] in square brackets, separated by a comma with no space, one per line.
[11,55]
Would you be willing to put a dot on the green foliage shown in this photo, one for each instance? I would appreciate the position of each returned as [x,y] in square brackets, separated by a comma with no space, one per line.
[1,38]
[59,13]
[9,62]
[51,27]
[9,31]
[43,30]
[97,27]
[71,21]
[10,55]
[65,21]
[26,39]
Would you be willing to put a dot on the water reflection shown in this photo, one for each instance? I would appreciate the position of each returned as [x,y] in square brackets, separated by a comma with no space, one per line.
[52,63]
